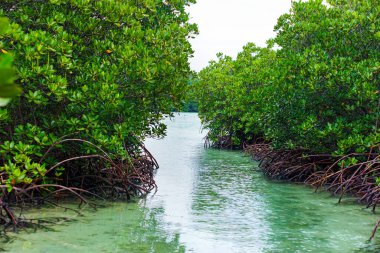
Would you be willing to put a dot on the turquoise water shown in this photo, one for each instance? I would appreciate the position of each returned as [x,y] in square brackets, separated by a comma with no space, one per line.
[207,201]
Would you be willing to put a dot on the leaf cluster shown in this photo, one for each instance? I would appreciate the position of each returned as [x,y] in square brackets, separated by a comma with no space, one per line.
[102,71]
[315,86]
[8,89]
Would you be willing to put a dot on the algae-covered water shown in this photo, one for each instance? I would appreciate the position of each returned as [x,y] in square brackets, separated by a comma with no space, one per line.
[207,201]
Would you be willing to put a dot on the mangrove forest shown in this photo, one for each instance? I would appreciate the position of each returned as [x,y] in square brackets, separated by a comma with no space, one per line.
[307,105]
[111,142]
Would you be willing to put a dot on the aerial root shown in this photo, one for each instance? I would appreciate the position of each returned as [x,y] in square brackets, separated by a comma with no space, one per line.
[324,171]
[105,178]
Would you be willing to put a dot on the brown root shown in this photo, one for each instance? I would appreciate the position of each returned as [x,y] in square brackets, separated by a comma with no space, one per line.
[324,171]
[104,177]
[222,142]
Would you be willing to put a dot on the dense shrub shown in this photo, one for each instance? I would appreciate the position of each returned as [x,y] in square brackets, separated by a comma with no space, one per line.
[212,88]
[327,78]
[315,87]
[102,71]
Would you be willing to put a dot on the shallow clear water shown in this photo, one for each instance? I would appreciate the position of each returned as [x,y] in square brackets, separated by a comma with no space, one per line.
[208,201]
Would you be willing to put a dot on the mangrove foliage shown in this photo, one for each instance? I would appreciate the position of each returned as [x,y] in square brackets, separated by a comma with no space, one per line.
[307,105]
[96,77]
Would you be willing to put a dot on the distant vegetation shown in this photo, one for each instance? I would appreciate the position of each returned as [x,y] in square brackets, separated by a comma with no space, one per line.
[190,103]
[190,106]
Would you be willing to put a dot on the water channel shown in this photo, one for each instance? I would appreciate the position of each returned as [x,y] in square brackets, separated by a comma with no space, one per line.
[207,201]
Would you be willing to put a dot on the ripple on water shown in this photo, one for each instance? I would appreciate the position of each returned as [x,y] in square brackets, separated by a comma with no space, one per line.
[208,201]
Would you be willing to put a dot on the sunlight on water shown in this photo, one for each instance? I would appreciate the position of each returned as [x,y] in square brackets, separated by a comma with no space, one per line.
[207,201]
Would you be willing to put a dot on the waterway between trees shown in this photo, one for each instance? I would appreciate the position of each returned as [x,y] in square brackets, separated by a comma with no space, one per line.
[207,201]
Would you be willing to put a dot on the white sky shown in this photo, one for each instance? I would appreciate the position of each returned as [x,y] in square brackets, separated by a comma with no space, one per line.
[227,25]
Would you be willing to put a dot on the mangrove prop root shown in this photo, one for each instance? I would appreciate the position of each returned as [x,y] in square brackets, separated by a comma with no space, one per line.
[222,142]
[8,212]
[374,230]
[324,171]
[104,178]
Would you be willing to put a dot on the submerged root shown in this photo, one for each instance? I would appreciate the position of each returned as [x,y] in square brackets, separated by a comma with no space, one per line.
[102,178]
[222,142]
[332,173]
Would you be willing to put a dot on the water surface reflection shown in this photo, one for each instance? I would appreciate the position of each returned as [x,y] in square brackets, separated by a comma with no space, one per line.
[208,201]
